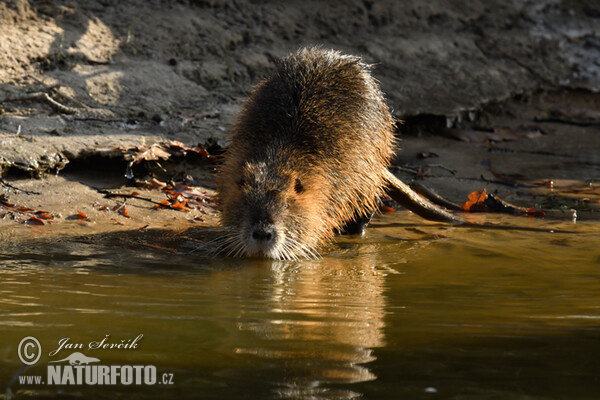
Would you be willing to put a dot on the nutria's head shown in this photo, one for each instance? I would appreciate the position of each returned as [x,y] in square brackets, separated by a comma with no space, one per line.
[273,212]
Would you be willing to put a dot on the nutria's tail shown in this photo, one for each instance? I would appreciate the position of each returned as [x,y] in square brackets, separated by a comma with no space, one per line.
[408,198]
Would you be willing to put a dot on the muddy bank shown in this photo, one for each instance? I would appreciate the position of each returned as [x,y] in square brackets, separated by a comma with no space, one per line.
[78,79]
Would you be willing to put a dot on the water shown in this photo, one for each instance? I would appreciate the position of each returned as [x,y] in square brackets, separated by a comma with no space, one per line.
[410,311]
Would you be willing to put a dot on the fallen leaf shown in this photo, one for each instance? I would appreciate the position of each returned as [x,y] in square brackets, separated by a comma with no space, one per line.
[163,204]
[179,206]
[175,145]
[532,212]
[123,212]
[200,151]
[386,209]
[35,221]
[81,215]
[152,153]
[475,198]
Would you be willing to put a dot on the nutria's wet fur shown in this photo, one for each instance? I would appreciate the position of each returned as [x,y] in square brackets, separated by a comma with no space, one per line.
[308,153]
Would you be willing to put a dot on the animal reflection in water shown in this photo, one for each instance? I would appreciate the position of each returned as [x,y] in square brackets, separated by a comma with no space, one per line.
[331,318]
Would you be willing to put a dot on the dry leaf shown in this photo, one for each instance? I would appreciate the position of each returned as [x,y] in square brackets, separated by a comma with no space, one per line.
[475,198]
[35,221]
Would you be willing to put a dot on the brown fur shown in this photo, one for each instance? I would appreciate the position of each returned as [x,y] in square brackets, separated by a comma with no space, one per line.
[309,151]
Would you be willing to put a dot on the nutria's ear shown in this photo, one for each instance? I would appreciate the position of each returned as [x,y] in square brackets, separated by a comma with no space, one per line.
[298,187]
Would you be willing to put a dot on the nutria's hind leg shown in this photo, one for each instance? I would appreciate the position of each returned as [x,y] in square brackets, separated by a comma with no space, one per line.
[357,225]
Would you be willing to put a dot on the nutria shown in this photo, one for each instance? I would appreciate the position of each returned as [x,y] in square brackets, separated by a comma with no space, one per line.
[309,154]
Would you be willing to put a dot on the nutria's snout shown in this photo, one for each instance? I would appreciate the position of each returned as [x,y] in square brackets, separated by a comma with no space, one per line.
[264,234]
[262,240]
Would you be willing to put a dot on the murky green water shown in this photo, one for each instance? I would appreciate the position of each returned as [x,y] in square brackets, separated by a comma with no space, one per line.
[409,312]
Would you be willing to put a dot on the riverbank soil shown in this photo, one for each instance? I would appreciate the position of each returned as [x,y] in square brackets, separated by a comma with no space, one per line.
[99,98]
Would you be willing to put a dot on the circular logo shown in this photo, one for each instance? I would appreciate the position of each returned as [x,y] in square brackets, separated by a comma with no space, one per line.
[30,350]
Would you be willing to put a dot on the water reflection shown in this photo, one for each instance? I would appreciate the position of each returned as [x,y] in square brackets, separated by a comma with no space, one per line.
[471,313]
[329,316]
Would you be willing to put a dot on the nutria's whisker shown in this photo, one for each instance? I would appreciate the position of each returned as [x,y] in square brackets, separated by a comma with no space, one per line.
[242,250]
[223,243]
[230,243]
[305,249]
[238,248]
[288,252]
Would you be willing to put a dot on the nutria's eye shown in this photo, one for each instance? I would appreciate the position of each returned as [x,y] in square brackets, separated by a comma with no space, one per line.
[242,181]
[298,186]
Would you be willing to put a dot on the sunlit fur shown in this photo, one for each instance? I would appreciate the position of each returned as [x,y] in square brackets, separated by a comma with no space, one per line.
[321,120]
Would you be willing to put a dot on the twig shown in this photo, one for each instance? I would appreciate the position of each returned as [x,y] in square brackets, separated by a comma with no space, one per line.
[405,169]
[410,168]
[109,195]
[41,96]
[69,98]
[55,88]
[8,185]
[452,171]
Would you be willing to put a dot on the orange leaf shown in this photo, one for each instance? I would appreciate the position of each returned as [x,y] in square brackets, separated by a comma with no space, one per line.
[123,212]
[179,206]
[81,215]
[475,197]
[532,212]
[43,215]
[386,209]
[35,221]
